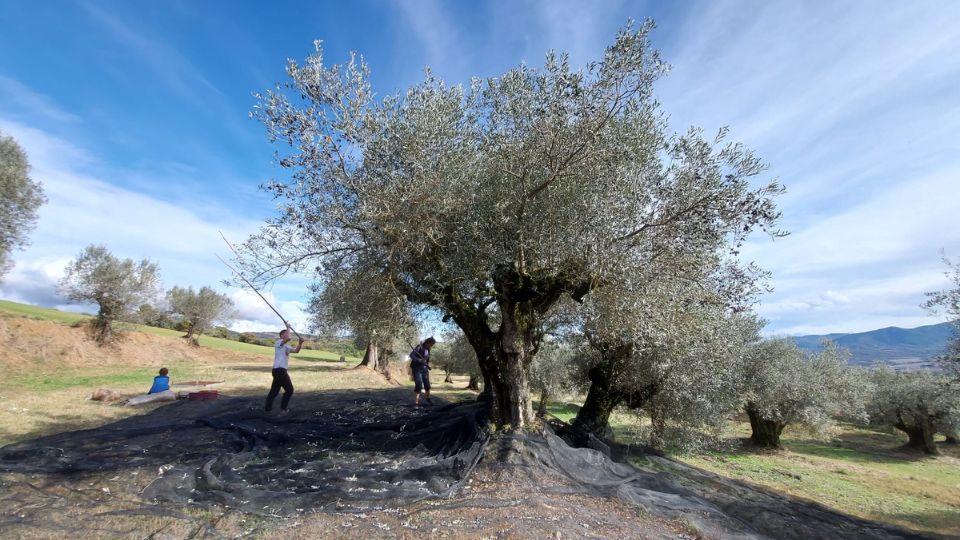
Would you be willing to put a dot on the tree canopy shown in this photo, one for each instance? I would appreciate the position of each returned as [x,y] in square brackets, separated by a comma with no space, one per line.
[200,309]
[20,198]
[117,286]
[502,197]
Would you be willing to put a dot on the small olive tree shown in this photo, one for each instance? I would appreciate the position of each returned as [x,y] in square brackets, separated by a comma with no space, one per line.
[117,286]
[200,309]
[557,369]
[455,355]
[919,404]
[20,198]
[784,386]
[361,300]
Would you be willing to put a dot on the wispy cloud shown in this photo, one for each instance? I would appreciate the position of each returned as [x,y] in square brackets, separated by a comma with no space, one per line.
[172,68]
[18,97]
[439,36]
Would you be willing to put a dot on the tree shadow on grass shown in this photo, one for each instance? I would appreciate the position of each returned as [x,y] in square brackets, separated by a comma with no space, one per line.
[861,446]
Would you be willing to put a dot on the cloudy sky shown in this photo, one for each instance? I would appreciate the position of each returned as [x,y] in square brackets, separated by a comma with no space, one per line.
[134,116]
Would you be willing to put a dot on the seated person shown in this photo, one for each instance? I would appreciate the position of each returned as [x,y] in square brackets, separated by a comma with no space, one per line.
[161,382]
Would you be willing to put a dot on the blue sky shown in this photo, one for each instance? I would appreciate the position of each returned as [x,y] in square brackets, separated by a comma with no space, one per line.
[134,116]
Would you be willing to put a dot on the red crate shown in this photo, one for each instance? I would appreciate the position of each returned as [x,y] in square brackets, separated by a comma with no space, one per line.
[203,395]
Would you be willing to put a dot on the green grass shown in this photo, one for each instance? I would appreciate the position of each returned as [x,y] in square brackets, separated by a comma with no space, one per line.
[14,309]
[114,376]
[859,471]
[90,378]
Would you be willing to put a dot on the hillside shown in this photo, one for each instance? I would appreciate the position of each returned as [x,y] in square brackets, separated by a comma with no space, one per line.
[904,348]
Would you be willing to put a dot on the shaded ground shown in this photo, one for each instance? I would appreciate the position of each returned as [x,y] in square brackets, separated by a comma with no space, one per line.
[367,464]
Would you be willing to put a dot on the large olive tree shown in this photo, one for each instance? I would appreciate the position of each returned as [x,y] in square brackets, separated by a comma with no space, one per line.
[499,198]
[117,286]
[20,197]
[200,309]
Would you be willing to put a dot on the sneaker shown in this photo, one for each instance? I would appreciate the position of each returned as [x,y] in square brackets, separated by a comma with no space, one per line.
[283,412]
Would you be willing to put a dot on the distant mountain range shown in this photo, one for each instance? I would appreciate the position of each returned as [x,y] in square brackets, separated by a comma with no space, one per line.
[903,348]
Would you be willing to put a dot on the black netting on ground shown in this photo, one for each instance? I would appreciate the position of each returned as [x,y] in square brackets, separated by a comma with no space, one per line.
[353,452]
[334,449]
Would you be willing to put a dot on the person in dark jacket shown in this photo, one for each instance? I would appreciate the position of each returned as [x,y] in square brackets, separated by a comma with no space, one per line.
[420,369]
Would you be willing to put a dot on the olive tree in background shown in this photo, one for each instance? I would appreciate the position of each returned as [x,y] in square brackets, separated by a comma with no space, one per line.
[947,302]
[557,369]
[784,386]
[20,198]
[919,404]
[667,340]
[117,286]
[455,355]
[364,304]
[200,309]
[500,198]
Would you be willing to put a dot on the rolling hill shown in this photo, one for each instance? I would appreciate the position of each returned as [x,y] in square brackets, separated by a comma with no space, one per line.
[903,348]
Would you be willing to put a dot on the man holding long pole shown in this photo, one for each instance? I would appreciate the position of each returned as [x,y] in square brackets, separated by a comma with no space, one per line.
[281,379]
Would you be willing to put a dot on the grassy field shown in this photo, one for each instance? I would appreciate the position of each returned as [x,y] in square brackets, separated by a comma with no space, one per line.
[13,309]
[858,471]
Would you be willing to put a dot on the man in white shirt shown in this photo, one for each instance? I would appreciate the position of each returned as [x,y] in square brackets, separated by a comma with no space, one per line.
[281,379]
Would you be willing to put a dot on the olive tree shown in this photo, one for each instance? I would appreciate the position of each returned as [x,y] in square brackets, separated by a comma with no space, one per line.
[947,302]
[455,355]
[557,369]
[117,286]
[667,341]
[20,198]
[919,404]
[502,197]
[365,304]
[784,386]
[200,309]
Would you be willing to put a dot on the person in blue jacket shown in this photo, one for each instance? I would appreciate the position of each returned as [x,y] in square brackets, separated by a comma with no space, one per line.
[161,382]
[420,369]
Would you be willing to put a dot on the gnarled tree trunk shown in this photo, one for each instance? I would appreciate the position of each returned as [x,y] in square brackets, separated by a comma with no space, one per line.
[920,436]
[542,405]
[371,357]
[764,433]
[474,383]
[594,416]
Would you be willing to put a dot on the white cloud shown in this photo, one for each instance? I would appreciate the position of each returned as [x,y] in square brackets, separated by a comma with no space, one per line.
[83,209]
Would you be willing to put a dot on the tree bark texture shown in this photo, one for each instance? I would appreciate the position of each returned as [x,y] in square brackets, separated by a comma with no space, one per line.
[764,433]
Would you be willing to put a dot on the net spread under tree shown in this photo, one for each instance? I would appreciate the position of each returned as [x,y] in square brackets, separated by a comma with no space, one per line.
[504,196]
[20,198]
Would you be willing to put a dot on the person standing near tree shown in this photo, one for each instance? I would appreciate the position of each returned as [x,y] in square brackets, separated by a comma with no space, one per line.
[420,368]
[281,379]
